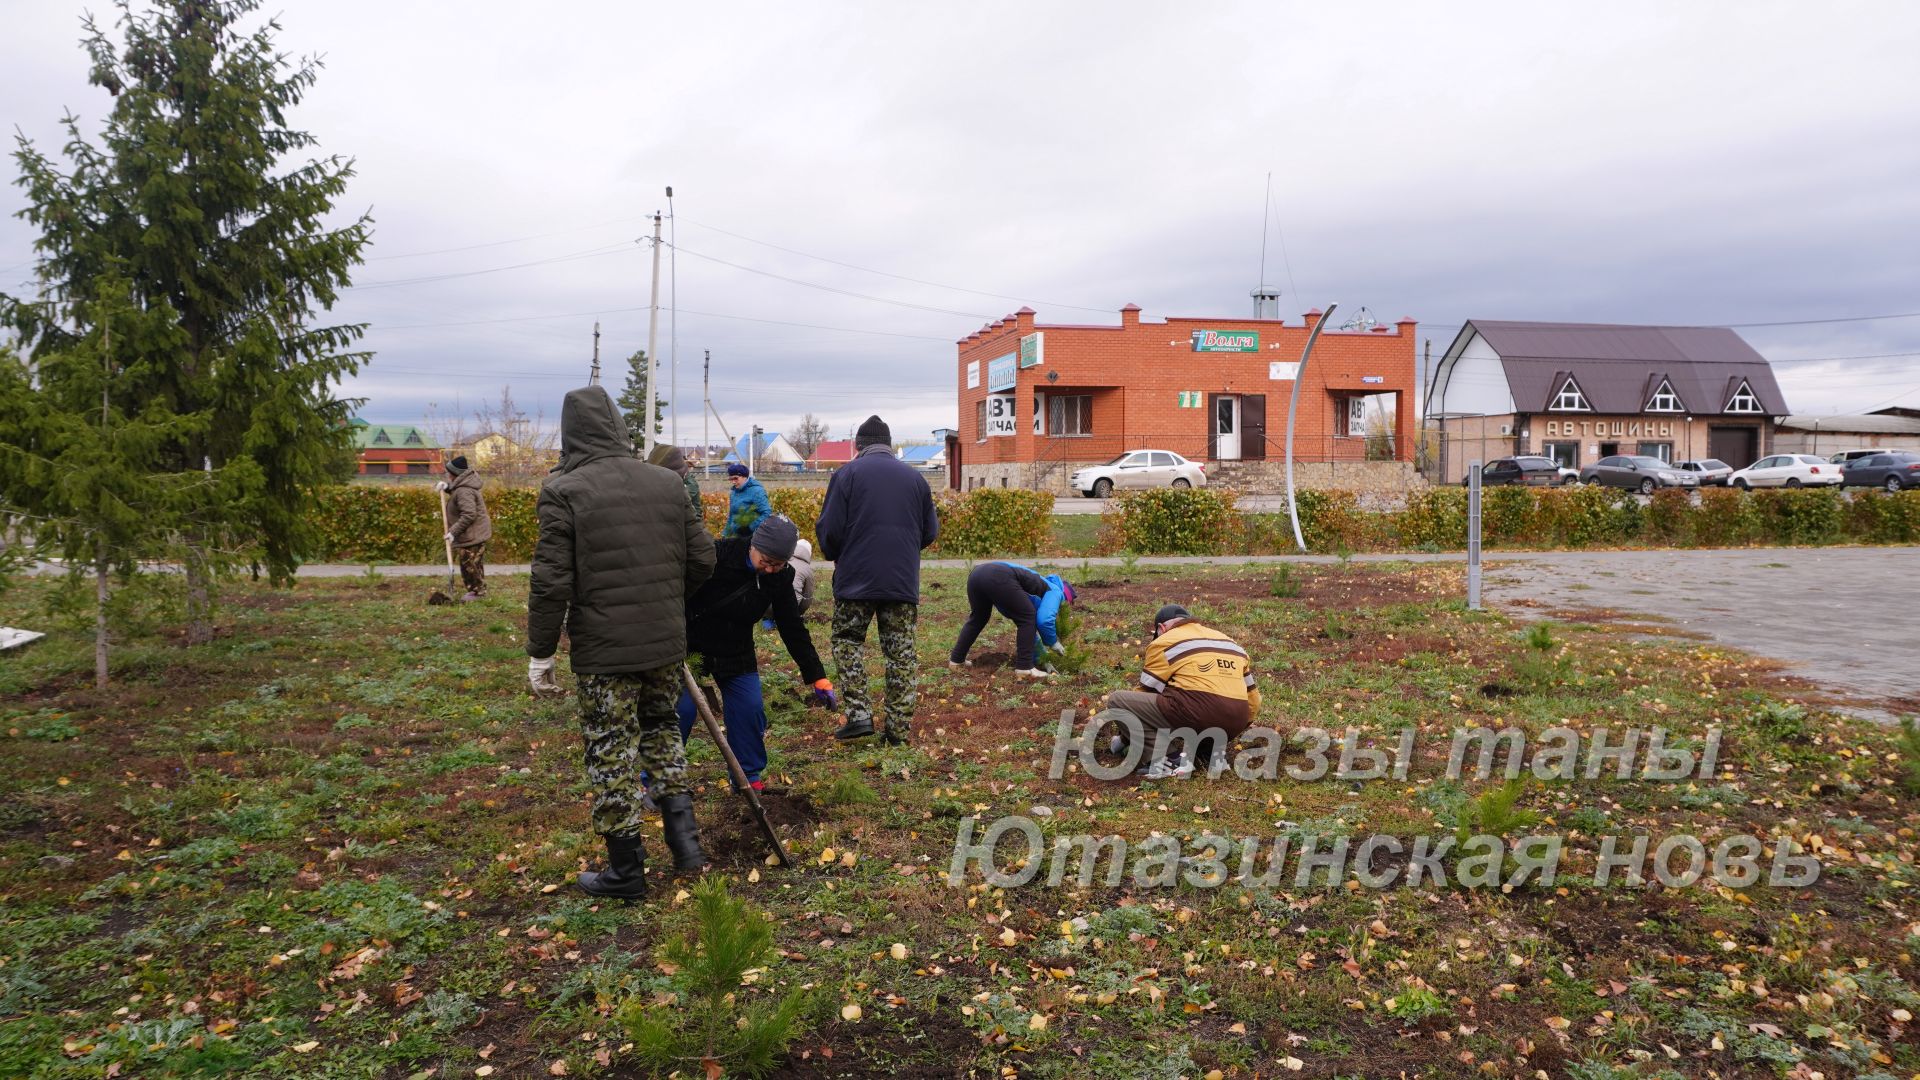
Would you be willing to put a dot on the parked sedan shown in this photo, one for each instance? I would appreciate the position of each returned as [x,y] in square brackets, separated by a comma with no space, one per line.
[1139,469]
[1709,471]
[1894,470]
[1787,470]
[1522,471]
[1636,473]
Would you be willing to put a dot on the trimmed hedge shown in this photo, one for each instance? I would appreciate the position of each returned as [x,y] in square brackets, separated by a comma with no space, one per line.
[1174,521]
[993,521]
[401,524]
[1435,519]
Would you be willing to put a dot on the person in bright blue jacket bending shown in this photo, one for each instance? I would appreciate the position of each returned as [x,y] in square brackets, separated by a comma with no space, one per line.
[1028,600]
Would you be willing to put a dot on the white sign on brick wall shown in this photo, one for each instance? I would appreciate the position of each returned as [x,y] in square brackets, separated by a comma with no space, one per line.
[1283,370]
[1001,416]
[973,374]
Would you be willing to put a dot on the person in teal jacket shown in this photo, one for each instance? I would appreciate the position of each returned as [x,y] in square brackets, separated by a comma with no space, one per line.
[1028,600]
[747,504]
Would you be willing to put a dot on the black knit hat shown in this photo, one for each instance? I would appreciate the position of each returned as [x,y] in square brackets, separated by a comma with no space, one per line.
[775,537]
[872,433]
[458,464]
[1169,613]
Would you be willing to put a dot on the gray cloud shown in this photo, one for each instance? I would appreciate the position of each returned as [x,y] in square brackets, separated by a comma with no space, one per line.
[1686,163]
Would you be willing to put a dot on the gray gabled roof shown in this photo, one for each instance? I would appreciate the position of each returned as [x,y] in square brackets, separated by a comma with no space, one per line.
[1870,424]
[1619,367]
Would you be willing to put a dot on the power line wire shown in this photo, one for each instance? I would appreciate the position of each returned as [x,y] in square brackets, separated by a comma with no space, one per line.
[885,274]
[590,253]
[833,289]
[501,243]
[684,311]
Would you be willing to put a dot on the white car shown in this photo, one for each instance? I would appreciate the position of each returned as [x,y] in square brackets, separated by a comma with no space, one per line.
[1138,469]
[1787,470]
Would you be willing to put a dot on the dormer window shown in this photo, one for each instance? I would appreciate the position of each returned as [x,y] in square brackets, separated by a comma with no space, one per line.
[1569,399]
[1743,400]
[1664,399]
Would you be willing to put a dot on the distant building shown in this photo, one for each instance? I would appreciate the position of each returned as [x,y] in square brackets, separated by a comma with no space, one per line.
[831,454]
[394,450]
[770,451]
[1886,429]
[1038,400]
[924,457]
[1578,392]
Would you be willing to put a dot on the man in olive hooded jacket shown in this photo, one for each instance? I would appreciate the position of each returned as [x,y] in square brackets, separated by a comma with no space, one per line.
[620,550]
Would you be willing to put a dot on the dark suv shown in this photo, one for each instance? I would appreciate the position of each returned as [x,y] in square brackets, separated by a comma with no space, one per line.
[1525,471]
[1894,470]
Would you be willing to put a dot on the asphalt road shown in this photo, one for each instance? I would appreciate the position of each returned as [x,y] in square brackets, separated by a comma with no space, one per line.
[1844,617]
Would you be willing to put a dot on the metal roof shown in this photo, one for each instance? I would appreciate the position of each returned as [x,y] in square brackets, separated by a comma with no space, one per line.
[1854,425]
[1618,368]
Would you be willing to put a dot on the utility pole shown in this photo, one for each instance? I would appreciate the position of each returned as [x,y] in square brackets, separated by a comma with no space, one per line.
[594,378]
[653,334]
[673,321]
[706,398]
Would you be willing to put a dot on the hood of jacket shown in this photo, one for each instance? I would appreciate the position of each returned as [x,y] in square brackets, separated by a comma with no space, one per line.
[669,457]
[468,479]
[591,428]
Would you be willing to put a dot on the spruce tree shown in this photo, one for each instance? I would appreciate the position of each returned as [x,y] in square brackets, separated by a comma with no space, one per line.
[633,401]
[191,208]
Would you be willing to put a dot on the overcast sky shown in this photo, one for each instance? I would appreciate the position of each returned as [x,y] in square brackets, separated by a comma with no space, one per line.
[1694,163]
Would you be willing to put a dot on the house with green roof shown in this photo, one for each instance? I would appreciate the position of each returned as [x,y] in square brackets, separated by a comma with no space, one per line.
[394,449]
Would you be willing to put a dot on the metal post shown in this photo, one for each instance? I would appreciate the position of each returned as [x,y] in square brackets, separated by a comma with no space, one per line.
[706,397]
[653,334]
[1293,407]
[1473,535]
[593,379]
[673,323]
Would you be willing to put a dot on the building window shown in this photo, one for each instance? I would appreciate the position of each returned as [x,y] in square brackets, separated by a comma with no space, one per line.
[1569,399]
[1743,400]
[1070,415]
[1661,450]
[980,421]
[1565,454]
[1664,399]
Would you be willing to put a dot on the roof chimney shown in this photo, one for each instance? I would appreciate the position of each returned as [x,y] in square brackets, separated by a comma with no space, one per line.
[1129,316]
[1024,319]
[1266,302]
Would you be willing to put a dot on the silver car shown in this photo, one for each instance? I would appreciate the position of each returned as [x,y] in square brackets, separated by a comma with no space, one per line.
[1709,471]
[1138,469]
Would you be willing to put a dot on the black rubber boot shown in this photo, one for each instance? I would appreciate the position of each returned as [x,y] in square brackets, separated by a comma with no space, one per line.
[625,875]
[895,735]
[683,836]
[854,729]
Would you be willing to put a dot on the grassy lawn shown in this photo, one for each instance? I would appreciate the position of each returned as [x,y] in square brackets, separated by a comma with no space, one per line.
[339,841]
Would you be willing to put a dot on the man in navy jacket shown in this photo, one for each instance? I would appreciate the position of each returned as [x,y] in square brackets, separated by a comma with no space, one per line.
[877,519]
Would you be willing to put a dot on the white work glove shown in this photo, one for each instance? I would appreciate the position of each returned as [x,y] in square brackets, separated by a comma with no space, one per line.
[439,485]
[540,678]
[449,538]
[1058,647]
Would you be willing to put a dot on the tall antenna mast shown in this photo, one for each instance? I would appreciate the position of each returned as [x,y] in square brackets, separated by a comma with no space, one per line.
[653,354]
[1266,301]
[593,377]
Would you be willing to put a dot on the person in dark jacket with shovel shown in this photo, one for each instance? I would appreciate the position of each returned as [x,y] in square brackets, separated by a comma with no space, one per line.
[751,579]
[470,526]
[618,555]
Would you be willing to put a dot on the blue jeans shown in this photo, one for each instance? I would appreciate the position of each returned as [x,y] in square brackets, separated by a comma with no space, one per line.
[745,712]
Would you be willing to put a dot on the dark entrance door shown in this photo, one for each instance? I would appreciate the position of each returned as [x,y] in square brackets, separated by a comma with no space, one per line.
[1609,449]
[1253,427]
[1737,446]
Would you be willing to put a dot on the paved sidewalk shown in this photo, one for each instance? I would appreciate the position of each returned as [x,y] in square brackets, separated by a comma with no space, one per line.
[1844,617]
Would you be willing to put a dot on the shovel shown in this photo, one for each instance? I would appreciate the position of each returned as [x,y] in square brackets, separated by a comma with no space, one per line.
[734,770]
[439,597]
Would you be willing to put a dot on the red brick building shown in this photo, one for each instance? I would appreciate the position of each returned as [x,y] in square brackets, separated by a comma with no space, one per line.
[1038,399]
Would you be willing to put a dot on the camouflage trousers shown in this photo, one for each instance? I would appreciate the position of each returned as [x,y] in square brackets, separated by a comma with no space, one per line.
[630,728]
[897,619]
[473,567]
